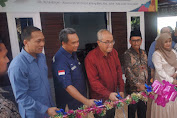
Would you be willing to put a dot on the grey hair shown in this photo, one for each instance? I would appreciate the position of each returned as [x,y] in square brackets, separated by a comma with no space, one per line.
[63,35]
[164,30]
[100,32]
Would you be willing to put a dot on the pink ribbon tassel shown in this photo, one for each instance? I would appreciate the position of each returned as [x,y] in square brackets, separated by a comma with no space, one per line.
[165,92]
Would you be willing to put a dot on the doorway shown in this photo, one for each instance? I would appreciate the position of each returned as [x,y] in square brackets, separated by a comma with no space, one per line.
[86,25]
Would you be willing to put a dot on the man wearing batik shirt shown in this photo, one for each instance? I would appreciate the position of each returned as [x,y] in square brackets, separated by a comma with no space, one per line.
[69,81]
[135,65]
[104,71]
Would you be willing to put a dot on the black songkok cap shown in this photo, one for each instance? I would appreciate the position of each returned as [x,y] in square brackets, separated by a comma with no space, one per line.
[135,33]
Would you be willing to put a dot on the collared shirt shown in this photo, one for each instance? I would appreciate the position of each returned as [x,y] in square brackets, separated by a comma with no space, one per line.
[67,70]
[151,51]
[104,73]
[135,65]
[29,80]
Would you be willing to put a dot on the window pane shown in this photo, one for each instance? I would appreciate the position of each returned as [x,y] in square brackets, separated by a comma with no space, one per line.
[21,23]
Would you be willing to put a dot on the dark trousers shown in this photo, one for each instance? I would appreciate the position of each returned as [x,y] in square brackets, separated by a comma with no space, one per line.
[140,107]
[109,114]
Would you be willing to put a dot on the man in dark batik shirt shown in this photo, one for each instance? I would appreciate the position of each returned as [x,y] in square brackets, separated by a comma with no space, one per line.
[135,64]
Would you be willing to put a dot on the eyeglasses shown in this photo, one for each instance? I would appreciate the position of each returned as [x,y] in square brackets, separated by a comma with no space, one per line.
[108,43]
[134,41]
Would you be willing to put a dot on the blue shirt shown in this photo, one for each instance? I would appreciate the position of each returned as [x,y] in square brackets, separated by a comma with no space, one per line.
[67,70]
[151,51]
[29,80]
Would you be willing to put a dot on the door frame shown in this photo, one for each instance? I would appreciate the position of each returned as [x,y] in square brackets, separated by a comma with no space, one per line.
[109,21]
[13,30]
[141,15]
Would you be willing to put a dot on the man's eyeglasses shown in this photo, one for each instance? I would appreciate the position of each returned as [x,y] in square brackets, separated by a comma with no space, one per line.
[108,43]
[138,40]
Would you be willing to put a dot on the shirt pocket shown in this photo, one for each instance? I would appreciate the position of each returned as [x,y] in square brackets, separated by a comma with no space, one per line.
[75,72]
[34,81]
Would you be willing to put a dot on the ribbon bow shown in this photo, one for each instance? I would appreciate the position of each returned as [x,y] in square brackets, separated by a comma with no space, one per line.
[166,92]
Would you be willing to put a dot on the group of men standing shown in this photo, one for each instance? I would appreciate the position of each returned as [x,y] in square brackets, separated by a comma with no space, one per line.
[29,79]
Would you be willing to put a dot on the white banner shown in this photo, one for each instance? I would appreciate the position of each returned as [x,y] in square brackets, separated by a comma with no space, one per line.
[78,5]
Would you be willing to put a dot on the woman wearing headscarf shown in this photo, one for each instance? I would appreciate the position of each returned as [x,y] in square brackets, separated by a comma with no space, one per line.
[7,107]
[165,62]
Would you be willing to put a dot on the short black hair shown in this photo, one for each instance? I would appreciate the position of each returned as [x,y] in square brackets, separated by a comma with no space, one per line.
[63,35]
[26,33]
[1,41]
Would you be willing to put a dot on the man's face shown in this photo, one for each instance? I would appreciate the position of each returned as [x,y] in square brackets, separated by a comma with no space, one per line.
[167,30]
[3,59]
[72,44]
[36,44]
[107,42]
[135,42]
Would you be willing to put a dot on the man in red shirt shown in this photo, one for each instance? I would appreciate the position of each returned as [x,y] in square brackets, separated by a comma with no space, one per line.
[104,70]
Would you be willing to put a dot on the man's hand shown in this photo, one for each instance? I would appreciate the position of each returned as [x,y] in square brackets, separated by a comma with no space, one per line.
[89,102]
[52,111]
[174,82]
[113,97]
[140,87]
[121,94]
[174,75]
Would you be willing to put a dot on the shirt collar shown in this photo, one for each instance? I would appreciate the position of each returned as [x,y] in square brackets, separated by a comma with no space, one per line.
[135,51]
[99,52]
[67,54]
[29,57]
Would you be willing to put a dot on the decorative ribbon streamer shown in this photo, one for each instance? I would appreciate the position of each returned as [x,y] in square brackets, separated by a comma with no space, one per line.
[166,92]
[120,97]
[100,108]
[123,112]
